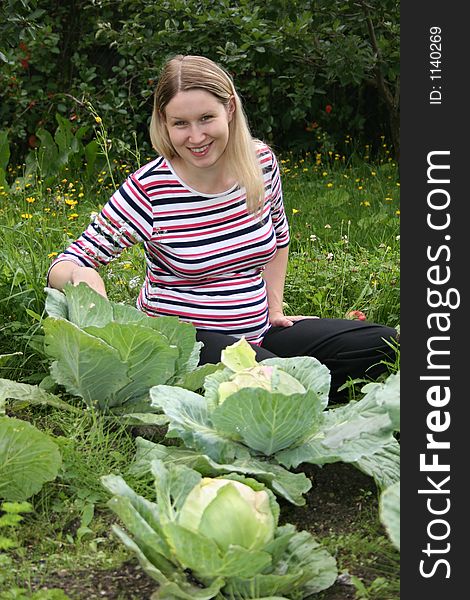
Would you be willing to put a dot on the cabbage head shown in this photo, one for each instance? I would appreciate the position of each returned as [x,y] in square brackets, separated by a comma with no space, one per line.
[269,378]
[247,520]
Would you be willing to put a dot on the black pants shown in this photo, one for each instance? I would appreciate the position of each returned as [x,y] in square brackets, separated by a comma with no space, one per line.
[350,349]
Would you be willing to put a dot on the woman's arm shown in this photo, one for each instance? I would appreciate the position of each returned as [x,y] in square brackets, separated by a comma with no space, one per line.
[275,276]
[66,271]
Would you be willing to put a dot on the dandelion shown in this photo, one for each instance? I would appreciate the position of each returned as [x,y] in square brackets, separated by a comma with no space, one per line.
[30,199]
[71,202]
[52,254]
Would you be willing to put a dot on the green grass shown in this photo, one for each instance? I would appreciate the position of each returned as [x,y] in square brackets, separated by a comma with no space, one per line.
[344,256]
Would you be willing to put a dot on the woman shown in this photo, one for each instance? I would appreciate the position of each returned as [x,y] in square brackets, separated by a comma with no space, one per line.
[210,215]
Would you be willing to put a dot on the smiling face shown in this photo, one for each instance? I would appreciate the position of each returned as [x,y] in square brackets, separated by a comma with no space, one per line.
[198,128]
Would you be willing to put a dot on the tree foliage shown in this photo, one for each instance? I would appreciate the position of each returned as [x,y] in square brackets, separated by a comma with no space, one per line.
[301,67]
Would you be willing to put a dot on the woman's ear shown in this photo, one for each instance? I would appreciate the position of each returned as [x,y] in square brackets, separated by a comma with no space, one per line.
[231,108]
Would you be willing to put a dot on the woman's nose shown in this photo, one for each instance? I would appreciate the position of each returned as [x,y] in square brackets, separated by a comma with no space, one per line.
[196,134]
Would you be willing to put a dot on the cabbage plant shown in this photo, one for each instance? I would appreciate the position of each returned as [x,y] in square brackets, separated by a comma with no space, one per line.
[262,419]
[217,538]
[111,354]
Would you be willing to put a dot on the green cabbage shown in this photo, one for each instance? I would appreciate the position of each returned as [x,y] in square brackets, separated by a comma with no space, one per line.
[217,538]
[248,520]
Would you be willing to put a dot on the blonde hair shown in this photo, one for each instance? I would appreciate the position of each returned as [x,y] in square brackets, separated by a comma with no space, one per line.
[183,73]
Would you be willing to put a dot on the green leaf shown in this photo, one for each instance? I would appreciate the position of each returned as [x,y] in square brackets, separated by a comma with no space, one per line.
[389,512]
[383,465]
[267,422]
[31,394]
[4,150]
[195,379]
[85,365]
[347,433]
[189,420]
[172,485]
[28,459]
[149,358]
[204,558]
[387,394]
[183,336]
[239,356]
[306,567]
[86,307]
[56,303]
[174,586]
[290,486]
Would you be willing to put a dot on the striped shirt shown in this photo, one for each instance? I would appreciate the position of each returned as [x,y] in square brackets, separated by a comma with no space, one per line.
[204,253]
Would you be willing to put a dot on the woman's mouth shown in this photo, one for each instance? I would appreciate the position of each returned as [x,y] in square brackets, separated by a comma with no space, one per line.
[200,150]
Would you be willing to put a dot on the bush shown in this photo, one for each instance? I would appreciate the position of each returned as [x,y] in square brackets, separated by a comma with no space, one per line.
[300,66]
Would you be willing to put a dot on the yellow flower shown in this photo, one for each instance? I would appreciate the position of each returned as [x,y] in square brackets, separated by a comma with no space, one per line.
[360,187]
[324,173]
[26,216]
[373,173]
[73,216]
[30,199]
[330,185]
[52,254]
[295,211]
[397,212]
[71,202]
[365,203]
[98,120]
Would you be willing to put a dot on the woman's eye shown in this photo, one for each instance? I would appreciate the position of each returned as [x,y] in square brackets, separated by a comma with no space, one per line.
[206,117]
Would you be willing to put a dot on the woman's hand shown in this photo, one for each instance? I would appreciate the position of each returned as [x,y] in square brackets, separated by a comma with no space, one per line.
[67,271]
[278,319]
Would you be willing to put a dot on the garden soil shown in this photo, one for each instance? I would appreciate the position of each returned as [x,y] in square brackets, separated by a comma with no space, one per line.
[339,494]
